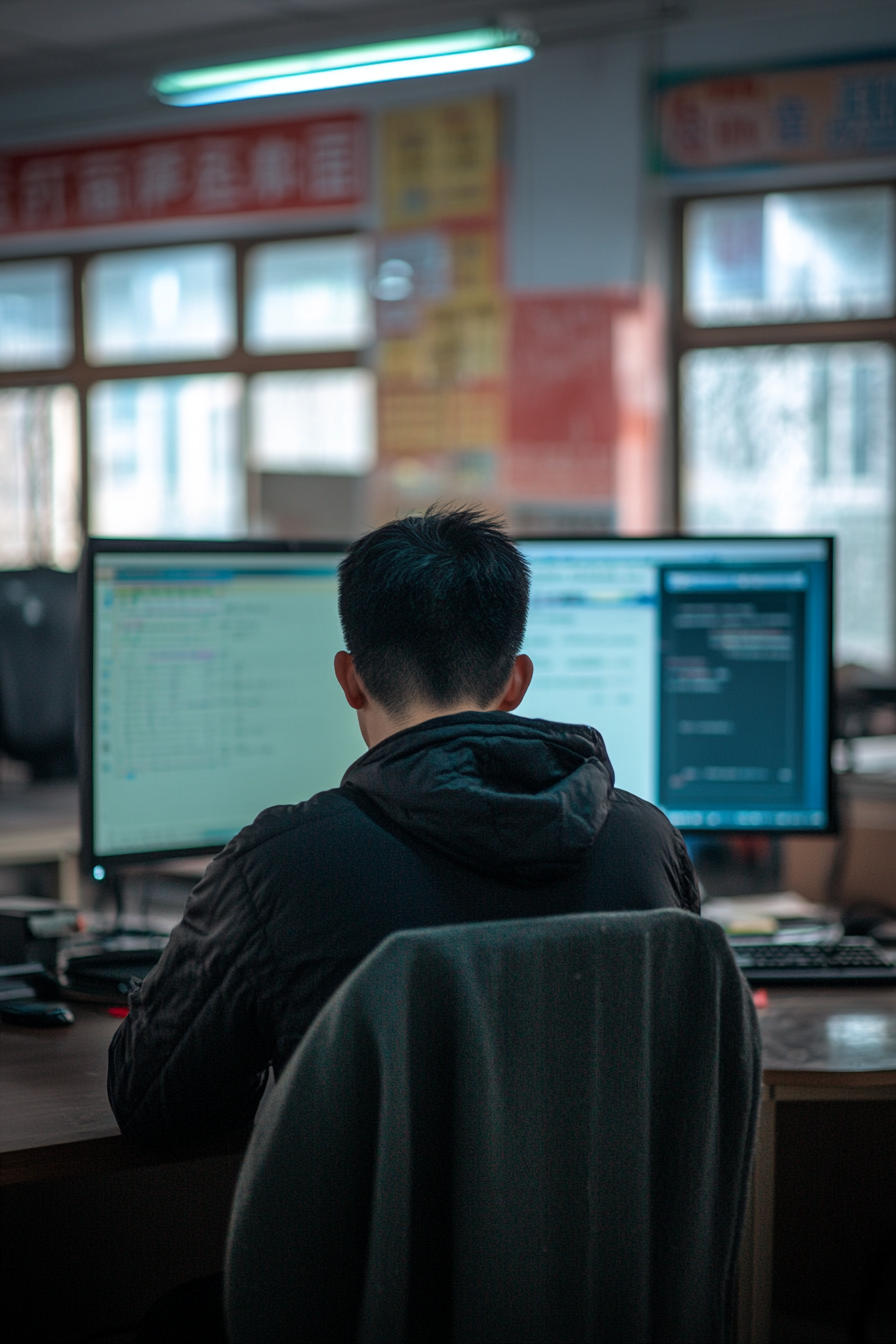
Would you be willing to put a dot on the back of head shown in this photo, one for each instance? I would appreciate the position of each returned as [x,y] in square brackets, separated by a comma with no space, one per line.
[434,609]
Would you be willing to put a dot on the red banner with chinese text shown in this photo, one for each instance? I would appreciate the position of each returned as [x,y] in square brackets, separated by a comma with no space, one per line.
[311,163]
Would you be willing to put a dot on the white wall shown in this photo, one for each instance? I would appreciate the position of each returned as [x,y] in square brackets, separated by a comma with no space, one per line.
[780,32]
[574,208]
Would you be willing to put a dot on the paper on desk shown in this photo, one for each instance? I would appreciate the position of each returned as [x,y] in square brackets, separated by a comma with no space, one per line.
[776,905]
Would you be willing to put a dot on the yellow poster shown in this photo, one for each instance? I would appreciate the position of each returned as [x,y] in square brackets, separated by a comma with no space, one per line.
[441,310]
[459,340]
[416,420]
[441,163]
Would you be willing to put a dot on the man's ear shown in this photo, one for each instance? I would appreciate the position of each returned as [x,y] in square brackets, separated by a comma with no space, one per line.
[518,684]
[344,667]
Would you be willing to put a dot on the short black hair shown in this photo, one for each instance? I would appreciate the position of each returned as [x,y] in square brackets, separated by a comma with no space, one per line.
[434,608]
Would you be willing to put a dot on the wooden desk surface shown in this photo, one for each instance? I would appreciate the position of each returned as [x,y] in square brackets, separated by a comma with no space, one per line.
[54,1082]
[55,1118]
[839,1037]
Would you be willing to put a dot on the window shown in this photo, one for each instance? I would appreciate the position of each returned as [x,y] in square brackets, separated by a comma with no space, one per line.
[787,376]
[165,457]
[182,381]
[322,422]
[35,314]
[790,257]
[168,303]
[308,296]
[39,477]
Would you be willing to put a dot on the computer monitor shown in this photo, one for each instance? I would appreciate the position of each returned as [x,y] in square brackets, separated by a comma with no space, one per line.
[704,662]
[208,691]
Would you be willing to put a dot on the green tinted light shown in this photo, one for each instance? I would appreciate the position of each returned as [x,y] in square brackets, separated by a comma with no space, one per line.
[478,49]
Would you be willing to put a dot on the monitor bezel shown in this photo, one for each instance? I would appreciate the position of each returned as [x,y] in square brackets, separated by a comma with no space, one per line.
[832,801]
[97,546]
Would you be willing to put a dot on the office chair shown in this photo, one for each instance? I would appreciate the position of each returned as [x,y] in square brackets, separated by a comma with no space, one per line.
[38,669]
[535,1130]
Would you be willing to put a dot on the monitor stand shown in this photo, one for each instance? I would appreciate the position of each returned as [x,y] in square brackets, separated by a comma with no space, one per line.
[123,927]
[103,965]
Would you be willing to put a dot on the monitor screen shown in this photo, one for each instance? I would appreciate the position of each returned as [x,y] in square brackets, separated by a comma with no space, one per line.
[705,664]
[210,692]
[213,694]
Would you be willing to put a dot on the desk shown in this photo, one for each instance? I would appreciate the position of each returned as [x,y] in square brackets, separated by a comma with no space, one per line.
[94,1228]
[818,1045]
[127,1222]
[39,824]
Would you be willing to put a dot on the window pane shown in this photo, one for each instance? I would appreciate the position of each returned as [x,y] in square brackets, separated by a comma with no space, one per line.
[800,439]
[40,477]
[320,422]
[165,458]
[35,314]
[170,303]
[308,296]
[790,257]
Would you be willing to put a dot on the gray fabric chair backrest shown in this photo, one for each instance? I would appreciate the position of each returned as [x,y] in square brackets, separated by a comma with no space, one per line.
[531,1131]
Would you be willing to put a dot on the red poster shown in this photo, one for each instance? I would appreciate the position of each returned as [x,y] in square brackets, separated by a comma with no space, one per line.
[563,418]
[311,163]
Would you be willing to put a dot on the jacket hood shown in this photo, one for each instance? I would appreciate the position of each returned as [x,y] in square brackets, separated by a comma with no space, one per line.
[517,799]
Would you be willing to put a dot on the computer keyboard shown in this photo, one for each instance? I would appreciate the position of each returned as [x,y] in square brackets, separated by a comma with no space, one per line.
[856,960]
[107,977]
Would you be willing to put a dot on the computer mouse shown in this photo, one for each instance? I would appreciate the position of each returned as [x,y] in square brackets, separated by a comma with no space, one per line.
[35,1013]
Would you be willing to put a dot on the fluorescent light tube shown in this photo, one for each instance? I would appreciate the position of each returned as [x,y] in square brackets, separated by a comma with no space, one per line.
[414,58]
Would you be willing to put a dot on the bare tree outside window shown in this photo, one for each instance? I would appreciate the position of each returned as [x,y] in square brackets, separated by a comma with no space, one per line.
[39,477]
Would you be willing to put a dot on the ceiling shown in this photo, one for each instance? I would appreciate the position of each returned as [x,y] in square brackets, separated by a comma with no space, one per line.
[63,35]
[75,67]
[46,38]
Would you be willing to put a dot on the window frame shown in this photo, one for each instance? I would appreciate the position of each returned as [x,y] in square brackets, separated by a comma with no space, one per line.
[686,336]
[80,374]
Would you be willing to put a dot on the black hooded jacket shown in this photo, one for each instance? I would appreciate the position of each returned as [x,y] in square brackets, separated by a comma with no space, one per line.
[463,818]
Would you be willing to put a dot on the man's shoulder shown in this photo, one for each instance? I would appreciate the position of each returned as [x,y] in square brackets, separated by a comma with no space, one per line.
[646,826]
[318,814]
[289,849]
[642,840]
[638,812]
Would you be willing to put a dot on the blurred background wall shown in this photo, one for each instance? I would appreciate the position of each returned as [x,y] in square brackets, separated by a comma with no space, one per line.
[302,315]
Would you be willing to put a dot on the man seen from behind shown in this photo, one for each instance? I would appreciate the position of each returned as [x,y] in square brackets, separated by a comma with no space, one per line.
[460,810]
